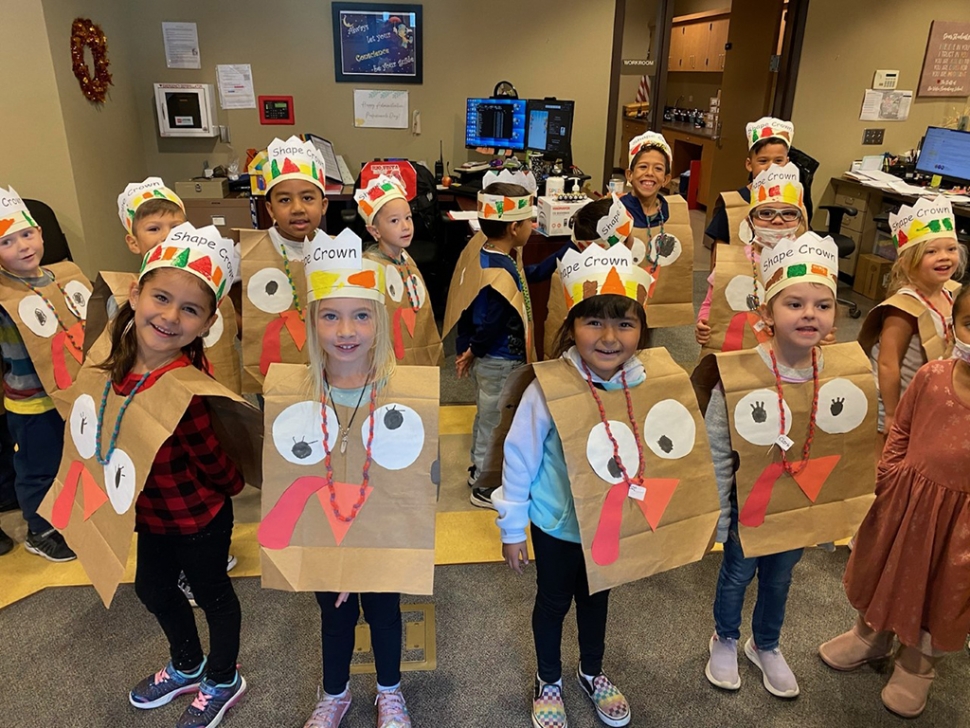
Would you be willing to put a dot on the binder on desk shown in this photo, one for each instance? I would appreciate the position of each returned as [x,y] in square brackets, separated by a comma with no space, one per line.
[337,170]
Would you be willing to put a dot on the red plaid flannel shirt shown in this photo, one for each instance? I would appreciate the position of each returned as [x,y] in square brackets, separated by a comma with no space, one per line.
[191,476]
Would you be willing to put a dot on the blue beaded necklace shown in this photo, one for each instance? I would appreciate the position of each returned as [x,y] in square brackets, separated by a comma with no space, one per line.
[121,413]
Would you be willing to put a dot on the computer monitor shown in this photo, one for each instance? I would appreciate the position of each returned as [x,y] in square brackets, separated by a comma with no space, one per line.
[498,123]
[945,152]
[550,126]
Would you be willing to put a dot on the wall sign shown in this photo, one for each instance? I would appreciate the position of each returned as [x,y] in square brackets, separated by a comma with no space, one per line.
[378,42]
[946,65]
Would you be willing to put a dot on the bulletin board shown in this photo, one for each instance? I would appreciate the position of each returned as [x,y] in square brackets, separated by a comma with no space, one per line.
[946,65]
[377,42]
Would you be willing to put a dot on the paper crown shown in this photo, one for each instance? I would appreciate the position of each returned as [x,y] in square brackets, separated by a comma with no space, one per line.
[14,215]
[507,209]
[283,160]
[378,193]
[596,272]
[137,193]
[768,127]
[203,252]
[808,258]
[614,227]
[650,140]
[521,177]
[336,268]
[777,184]
[926,220]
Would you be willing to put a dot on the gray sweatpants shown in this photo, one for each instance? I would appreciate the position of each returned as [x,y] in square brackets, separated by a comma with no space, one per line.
[490,374]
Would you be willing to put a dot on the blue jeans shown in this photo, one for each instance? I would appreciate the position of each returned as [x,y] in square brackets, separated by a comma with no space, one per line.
[39,441]
[8,492]
[774,579]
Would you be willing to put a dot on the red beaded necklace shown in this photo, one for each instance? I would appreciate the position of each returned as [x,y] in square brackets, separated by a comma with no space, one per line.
[365,480]
[807,448]
[36,291]
[405,270]
[947,329]
[609,432]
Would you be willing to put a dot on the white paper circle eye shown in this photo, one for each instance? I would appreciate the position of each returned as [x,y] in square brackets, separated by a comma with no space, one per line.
[669,430]
[599,451]
[84,426]
[638,250]
[398,436]
[119,481]
[37,316]
[215,331]
[756,417]
[77,298]
[298,433]
[394,282]
[418,291]
[665,249]
[739,293]
[842,406]
[269,290]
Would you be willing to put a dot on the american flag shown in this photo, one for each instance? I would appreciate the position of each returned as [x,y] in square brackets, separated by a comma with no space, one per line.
[643,91]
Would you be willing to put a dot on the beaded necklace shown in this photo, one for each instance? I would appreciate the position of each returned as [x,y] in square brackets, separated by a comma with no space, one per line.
[37,292]
[365,480]
[755,298]
[655,261]
[103,461]
[807,448]
[289,277]
[405,270]
[609,432]
[947,329]
[523,285]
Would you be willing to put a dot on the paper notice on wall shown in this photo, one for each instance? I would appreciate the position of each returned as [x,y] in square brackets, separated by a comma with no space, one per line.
[886,105]
[181,45]
[236,86]
[381,109]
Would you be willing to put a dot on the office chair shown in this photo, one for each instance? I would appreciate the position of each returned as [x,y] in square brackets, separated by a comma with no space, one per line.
[55,244]
[807,166]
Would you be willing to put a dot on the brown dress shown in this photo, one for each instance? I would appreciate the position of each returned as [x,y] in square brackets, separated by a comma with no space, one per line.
[910,569]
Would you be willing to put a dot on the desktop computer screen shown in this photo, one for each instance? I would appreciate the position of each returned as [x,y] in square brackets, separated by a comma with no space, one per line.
[550,125]
[496,123]
[945,152]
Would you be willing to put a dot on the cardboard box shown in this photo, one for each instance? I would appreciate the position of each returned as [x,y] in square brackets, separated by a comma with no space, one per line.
[872,275]
[206,187]
[553,216]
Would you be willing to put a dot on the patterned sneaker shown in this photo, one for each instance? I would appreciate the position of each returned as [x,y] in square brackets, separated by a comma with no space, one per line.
[49,544]
[779,680]
[330,710]
[187,588]
[611,706]
[212,702]
[548,710]
[722,668]
[392,711]
[164,686]
[482,497]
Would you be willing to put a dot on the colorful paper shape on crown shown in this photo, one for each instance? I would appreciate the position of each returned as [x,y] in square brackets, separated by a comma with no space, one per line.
[614,227]
[283,160]
[520,177]
[137,193]
[14,215]
[650,140]
[595,272]
[926,220]
[401,171]
[378,192]
[336,268]
[203,252]
[778,184]
[808,258]
[768,127]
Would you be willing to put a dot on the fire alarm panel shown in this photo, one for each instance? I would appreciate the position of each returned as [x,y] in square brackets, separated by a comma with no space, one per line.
[276,110]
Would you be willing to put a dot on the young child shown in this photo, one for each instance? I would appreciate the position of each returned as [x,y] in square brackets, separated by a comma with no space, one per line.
[912,326]
[42,312]
[610,468]
[383,203]
[908,575]
[292,176]
[369,534]
[785,483]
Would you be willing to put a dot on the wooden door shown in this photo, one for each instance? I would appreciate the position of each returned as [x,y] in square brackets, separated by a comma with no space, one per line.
[677,46]
[717,38]
[695,46]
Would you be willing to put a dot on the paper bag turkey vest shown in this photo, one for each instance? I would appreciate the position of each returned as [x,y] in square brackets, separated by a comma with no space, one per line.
[929,327]
[631,532]
[414,332]
[827,498]
[94,505]
[734,319]
[345,533]
[50,320]
[670,260]
[556,312]
[736,210]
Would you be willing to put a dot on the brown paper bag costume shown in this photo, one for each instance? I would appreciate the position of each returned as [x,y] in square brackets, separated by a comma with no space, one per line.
[53,338]
[220,347]
[556,313]
[934,345]
[273,328]
[389,545]
[734,319]
[671,300]
[736,210]
[414,333]
[469,278]
[827,500]
[94,506]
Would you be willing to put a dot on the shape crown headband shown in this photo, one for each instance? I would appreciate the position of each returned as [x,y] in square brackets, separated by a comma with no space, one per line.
[777,184]
[595,272]
[507,209]
[614,227]
[768,127]
[926,220]
[203,252]
[808,258]
[650,140]
[14,215]
[336,268]
[283,160]
[138,193]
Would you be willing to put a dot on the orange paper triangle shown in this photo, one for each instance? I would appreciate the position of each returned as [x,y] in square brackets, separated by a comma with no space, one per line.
[613,284]
[347,494]
[94,497]
[295,326]
[816,472]
[655,502]
[409,317]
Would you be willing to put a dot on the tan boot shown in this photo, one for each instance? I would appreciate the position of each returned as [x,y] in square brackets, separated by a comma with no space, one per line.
[855,648]
[906,692]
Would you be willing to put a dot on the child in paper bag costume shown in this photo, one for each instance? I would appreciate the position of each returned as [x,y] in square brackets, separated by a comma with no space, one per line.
[292,176]
[912,326]
[151,445]
[908,574]
[665,244]
[42,313]
[348,497]
[790,426]
[607,457]
[383,203]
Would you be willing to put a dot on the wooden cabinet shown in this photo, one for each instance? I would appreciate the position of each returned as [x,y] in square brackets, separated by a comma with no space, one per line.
[677,44]
[631,128]
[697,42]
[717,38]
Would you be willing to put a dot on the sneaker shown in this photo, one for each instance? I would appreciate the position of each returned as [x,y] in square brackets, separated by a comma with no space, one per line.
[548,710]
[722,668]
[779,680]
[330,710]
[211,704]
[392,711]
[49,544]
[611,706]
[482,497]
[231,563]
[6,543]
[164,686]
[187,588]
[472,476]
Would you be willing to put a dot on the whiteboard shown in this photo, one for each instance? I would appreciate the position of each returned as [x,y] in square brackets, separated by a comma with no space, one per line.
[380,109]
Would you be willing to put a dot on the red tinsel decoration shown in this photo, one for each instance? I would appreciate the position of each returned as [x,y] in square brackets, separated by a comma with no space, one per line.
[86,33]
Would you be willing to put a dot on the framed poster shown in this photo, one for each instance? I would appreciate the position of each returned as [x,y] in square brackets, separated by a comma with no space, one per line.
[946,65]
[377,42]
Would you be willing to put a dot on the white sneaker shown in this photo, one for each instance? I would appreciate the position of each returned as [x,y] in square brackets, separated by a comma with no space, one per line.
[722,668]
[778,678]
